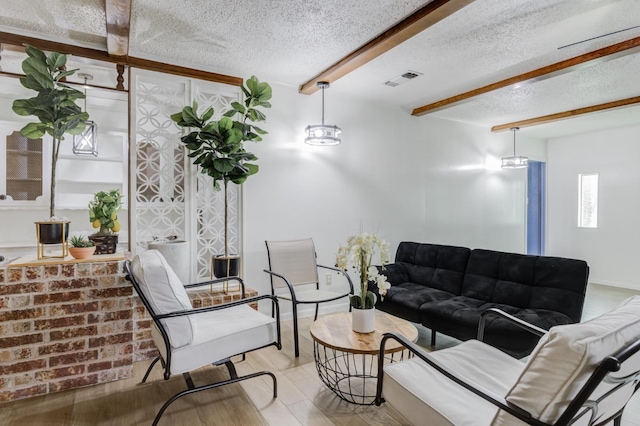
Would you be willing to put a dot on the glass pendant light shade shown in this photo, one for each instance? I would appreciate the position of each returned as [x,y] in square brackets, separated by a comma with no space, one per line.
[515,162]
[86,143]
[322,134]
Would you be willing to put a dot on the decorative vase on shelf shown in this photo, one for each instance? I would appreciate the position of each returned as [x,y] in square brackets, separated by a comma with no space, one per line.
[363,320]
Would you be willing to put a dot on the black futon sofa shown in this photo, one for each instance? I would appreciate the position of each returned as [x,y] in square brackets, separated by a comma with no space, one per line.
[446,288]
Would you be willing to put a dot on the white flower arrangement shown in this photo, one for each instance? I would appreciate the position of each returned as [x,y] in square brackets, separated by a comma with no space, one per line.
[358,255]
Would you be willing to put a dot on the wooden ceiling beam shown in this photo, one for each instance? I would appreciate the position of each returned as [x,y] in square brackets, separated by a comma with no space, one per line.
[608,53]
[417,22]
[118,13]
[567,114]
[100,55]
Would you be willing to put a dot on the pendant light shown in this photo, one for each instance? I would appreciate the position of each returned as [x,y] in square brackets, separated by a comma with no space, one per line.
[322,134]
[515,162]
[86,143]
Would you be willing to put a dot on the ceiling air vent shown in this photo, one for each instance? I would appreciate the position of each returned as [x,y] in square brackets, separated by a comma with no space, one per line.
[403,78]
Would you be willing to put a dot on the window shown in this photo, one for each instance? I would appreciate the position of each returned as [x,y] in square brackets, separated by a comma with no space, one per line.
[588,200]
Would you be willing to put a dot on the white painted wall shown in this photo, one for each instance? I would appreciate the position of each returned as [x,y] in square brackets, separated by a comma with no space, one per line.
[611,250]
[407,178]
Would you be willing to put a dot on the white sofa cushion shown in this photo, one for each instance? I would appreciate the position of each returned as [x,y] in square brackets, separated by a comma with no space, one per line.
[165,293]
[564,359]
[425,396]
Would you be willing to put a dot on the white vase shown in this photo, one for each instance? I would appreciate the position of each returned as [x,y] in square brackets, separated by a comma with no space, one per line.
[363,320]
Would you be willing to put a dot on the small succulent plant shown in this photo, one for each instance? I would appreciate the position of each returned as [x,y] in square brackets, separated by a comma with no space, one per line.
[79,241]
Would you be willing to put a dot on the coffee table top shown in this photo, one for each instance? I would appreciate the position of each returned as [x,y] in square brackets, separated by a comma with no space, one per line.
[334,331]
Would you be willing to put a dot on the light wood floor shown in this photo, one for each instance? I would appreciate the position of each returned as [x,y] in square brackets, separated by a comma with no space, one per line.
[302,397]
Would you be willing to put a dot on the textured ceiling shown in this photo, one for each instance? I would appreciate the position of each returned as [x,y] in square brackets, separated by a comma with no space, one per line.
[289,42]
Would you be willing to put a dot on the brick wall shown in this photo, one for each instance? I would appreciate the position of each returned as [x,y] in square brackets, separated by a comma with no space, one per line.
[73,325]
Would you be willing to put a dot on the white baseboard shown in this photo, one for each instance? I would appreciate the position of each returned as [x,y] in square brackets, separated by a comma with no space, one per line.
[618,284]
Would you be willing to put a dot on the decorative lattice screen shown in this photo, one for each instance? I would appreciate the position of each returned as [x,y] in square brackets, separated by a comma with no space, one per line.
[171,197]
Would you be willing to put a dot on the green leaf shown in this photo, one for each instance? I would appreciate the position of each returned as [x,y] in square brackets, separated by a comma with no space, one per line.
[207,115]
[223,165]
[56,60]
[35,53]
[33,130]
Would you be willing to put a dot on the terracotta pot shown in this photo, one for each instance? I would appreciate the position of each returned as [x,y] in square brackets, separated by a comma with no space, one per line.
[226,266]
[82,252]
[363,320]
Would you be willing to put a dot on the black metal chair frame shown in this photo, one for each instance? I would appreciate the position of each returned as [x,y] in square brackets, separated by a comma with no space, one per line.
[166,363]
[295,302]
[609,365]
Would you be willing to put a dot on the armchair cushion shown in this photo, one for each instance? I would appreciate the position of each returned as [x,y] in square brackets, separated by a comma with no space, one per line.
[220,334]
[565,357]
[414,388]
[169,295]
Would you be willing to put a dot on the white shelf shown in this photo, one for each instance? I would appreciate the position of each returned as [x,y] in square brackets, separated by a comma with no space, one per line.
[91,158]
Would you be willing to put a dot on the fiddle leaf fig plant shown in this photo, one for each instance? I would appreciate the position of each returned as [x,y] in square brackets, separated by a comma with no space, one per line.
[217,146]
[54,105]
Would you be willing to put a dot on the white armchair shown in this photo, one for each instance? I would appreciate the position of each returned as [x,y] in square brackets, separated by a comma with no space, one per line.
[578,374]
[189,338]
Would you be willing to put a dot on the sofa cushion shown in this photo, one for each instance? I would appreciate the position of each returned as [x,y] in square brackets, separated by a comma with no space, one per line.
[437,266]
[565,357]
[165,293]
[404,300]
[459,317]
[523,281]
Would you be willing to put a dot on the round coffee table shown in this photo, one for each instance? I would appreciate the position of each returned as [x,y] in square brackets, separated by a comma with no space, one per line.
[347,362]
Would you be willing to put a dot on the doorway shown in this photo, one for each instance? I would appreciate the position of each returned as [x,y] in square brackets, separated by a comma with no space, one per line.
[536,195]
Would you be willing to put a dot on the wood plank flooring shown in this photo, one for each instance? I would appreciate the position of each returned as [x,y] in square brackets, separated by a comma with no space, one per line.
[302,397]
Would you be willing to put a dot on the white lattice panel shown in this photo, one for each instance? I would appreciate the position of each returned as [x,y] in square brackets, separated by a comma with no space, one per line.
[210,203]
[164,198]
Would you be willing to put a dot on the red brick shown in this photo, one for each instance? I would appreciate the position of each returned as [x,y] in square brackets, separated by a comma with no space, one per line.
[99,268]
[67,296]
[21,327]
[61,347]
[74,308]
[23,393]
[105,365]
[33,272]
[76,382]
[2,275]
[122,362]
[20,367]
[117,316]
[22,288]
[56,373]
[4,303]
[4,383]
[108,305]
[143,325]
[9,342]
[73,358]
[73,332]
[83,269]
[19,301]
[114,268]
[110,340]
[72,284]
[48,324]
[15,275]
[112,292]
[107,281]
[148,344]
[142,356]
[51,271]
[5,356]
[23,353]
[23,379]
[68,270]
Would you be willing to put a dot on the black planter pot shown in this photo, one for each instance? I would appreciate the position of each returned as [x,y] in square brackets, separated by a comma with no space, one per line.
[226,266]
[51,232]
[105,244]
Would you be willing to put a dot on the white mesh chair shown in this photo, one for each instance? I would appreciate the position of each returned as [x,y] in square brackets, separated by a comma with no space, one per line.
[578,374]
[294,277]
[189,338]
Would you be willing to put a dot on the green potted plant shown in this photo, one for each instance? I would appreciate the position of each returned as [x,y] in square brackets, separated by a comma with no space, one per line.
[81,248]
[103,214]
[217,148]
[58,114]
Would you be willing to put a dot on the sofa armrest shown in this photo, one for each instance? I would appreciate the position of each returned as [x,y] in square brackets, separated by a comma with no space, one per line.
[516,321]
[396,273]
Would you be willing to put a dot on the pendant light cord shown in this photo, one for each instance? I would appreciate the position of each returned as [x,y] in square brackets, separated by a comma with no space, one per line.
[323,105]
